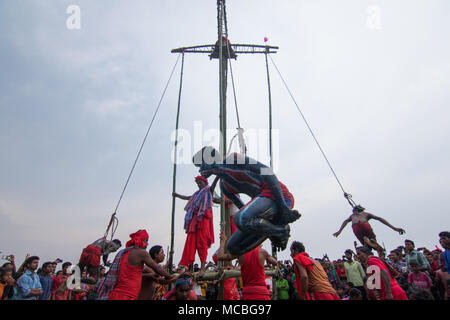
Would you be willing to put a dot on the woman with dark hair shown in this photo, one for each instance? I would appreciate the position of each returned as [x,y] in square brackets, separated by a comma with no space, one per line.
[6,284]
[389,288]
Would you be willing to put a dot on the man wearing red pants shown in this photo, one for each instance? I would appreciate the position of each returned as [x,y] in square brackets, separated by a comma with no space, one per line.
[198,223]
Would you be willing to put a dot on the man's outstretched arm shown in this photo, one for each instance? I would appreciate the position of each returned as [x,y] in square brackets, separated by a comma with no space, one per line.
[344,224]
[383,221]
[181,196]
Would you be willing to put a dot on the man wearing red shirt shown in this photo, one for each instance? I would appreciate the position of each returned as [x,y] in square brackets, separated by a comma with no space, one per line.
[252,270]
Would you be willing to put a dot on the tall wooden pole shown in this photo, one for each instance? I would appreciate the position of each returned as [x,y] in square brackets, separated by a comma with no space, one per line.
[223,64]
[174,176]
[274,250]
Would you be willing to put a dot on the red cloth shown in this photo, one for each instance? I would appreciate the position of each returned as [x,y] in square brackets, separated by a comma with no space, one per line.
[324,296]
[199,238]
[434,266]
[308,264]
[397,291]
[91,256]
[254,277]
[255,293]
[137,239]
[57,282]
[129,280]
[230,290]
[362,230]
[341,273]
[233,227]
[267,192]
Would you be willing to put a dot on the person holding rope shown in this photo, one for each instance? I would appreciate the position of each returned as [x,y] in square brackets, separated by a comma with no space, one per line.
[269,212]
[90,257]
[362,229]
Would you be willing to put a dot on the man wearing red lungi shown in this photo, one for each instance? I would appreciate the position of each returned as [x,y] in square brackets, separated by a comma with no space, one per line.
[198,223]
[362,229]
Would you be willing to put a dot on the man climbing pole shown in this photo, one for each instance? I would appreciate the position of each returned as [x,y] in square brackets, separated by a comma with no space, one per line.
[362,229]
[198,223]
[269,212]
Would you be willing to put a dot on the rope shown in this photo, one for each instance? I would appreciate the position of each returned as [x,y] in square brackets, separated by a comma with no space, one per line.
[174,177]
[113,217]
[240,133]
[346,195]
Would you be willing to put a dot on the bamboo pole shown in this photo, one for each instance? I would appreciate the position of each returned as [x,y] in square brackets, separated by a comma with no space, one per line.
[226,274]
[174,177]
[274,250]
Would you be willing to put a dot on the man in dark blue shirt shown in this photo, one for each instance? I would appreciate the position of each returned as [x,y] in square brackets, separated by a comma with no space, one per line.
[46,281]
[444,239]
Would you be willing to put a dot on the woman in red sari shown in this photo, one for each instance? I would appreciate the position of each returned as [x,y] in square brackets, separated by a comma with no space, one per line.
[389,288]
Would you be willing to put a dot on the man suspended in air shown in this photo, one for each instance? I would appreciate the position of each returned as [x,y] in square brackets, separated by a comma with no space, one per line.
[362,229]
[269,212]
[90,257]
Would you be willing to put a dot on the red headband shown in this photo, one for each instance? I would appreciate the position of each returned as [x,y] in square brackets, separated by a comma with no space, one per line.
[137,239]
[201,178]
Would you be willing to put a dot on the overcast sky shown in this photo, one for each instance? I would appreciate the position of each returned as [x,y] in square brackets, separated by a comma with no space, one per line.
[372,78]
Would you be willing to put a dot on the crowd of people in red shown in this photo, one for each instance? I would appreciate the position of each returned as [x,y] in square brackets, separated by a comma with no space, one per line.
[405,273]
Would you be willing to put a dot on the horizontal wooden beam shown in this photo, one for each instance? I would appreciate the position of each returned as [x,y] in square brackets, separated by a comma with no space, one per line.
[226,274]
[238,48]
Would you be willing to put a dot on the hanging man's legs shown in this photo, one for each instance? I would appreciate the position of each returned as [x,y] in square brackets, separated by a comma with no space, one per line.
[242,242]
[254,222]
